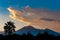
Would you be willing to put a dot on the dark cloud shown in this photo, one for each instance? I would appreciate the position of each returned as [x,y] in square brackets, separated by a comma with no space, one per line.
[48,19]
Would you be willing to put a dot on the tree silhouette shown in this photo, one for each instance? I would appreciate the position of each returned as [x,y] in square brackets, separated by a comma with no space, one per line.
[9,28]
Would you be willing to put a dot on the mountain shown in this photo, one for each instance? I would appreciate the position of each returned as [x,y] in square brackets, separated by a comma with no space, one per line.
[34,31]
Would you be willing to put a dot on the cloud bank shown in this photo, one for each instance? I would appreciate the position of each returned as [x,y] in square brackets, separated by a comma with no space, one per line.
[37,17]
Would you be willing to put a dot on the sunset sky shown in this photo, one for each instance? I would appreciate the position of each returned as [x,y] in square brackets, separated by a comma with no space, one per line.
[39,13]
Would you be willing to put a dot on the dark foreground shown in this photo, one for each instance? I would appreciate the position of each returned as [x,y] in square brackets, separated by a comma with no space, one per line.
[29,36]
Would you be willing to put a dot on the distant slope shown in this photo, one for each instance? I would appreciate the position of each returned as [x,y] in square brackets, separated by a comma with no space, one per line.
[34,31]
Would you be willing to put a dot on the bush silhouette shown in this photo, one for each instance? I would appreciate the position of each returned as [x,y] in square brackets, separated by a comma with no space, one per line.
[9,28]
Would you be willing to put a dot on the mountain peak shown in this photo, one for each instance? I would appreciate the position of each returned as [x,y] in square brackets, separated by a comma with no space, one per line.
[34,31]
[28,27]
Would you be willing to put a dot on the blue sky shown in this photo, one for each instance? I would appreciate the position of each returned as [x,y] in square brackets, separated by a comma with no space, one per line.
[19,4]
[49,4]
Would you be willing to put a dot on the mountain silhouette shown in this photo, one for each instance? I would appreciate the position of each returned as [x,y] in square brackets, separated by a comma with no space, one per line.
[34,31]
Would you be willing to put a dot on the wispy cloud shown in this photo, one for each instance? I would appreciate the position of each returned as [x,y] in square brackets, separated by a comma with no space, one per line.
[42,18]
[48,19]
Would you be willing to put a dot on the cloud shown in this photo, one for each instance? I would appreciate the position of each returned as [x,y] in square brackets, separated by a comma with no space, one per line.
[39,18]
[47,19]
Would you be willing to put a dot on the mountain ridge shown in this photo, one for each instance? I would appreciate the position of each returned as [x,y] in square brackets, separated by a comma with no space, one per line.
[34,31]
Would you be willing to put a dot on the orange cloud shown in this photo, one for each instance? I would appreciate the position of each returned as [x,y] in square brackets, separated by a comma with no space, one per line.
[33,17]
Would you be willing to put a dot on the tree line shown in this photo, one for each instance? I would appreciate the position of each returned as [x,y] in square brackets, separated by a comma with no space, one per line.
[29,36]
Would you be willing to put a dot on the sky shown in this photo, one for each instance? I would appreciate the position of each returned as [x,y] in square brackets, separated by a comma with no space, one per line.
[46,12]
